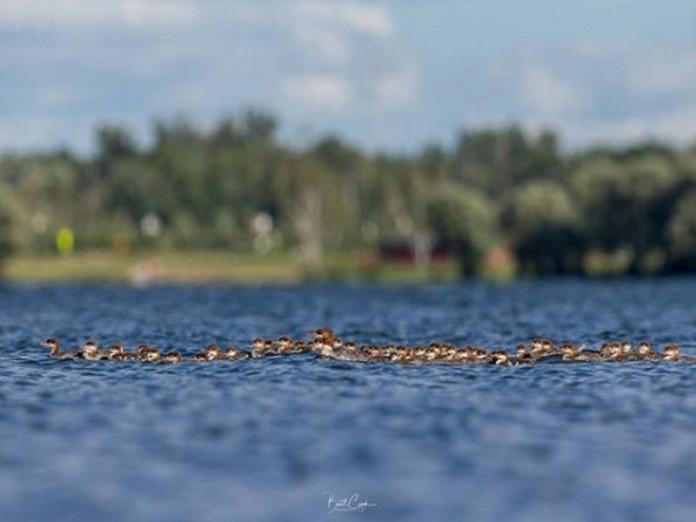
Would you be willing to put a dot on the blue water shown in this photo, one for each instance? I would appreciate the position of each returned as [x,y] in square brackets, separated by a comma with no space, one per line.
[271,439]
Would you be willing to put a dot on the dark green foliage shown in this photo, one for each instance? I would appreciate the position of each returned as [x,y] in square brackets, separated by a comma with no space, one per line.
[502,189]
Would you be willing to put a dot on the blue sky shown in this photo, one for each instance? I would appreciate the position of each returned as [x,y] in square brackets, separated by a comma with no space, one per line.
[391,74]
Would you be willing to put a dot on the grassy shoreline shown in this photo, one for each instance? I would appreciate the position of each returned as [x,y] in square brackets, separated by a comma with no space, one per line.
[200,267]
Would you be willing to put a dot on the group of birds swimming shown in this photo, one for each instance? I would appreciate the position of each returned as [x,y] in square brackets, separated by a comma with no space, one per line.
[325,344]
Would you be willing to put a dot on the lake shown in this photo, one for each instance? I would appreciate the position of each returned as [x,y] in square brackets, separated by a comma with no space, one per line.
[289,438]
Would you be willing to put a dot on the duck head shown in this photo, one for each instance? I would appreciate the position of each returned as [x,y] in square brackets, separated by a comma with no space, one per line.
[53,344]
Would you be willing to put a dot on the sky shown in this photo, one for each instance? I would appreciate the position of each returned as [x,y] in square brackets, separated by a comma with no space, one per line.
[393,75]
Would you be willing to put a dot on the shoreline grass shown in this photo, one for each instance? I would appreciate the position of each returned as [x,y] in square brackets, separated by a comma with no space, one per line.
[201,267]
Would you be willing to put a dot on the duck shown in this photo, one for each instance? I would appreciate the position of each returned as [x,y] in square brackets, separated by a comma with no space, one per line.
[232,353]
[55,350]
[374,353]
[90,351]
[627,353]
[116,352]
[153,355]
[334,349]
[324,335]
[522,354]
[542,347]
[573,353]
[611,351]
[350,351]
[258,347]
[173,357]
[645,352]
[322,349]
[211,352]
[670,353]
[481,355]
[284,345]
[141,352]
[500,358]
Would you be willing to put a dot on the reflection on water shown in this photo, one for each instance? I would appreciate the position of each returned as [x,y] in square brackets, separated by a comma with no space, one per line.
[268,439]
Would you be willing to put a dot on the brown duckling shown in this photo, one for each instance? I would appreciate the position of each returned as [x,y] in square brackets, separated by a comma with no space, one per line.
[90,351]
[671,353]
[322,349]
[142,351]
[211,352]
[374,353]
[645,352]
[153,355]
[173,357]
[481,355]
[522,354]
[116,352]
[500,358]
[258,347]
[234,354]
[571,353]
[284,345]
[55,350]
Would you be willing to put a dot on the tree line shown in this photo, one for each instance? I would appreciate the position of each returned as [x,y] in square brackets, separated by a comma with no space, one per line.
[237,186]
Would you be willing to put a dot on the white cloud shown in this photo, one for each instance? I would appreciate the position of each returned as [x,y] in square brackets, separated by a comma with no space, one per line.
[361,17]
[329,31]
[545,92]
[663,73]
[318,92]
[95,14]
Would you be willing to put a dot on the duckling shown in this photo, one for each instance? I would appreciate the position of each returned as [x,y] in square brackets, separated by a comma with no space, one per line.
[116,352]
[537,345]
[211,352]
[405,355]
[142,351]
[153,356]
[500,358]
[234,354]
[258,347]
[627,353]
[322,349]
[56,351]
[419,353]
[90,351]
[172,357]
[449,354]
[284,345]
[671,353]
[522,354]
[481,355]
[543,348]
[574,353]
[612,351]
[646,353]
[349,352]
[374,353]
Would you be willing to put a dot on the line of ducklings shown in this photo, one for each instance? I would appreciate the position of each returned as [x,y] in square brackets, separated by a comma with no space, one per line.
[328,346]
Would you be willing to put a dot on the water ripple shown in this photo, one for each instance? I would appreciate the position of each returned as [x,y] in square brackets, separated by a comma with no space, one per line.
[265,439]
